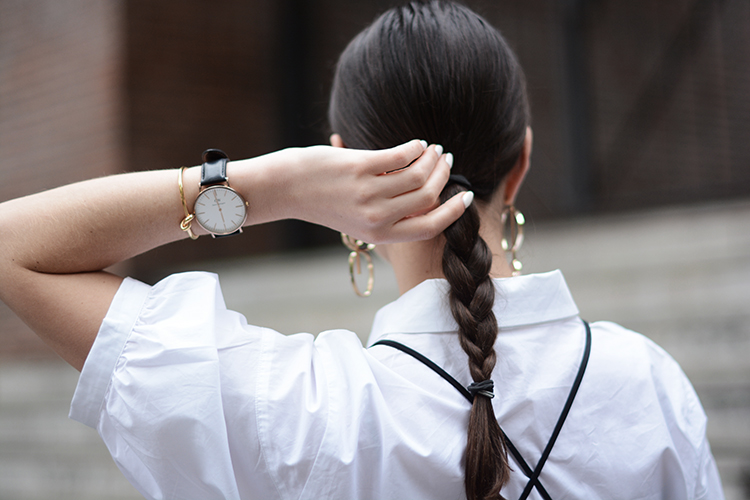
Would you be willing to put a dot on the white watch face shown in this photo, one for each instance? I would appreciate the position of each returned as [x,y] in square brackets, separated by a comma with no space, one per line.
[220,210]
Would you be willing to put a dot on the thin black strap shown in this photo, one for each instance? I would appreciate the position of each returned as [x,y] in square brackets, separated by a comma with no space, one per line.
[532,475]
[465,393]
[411,352]
[563,415]
[524,466]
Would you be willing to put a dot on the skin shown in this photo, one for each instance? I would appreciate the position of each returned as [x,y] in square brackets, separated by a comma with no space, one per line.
[416,261]
[56,244]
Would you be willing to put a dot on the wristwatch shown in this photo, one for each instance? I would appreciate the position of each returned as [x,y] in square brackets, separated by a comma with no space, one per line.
[219,209]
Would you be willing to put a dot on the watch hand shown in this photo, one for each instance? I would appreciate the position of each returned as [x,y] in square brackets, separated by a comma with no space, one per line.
[221,212]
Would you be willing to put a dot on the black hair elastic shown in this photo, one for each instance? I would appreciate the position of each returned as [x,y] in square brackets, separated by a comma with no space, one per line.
[460,180]
[483,388]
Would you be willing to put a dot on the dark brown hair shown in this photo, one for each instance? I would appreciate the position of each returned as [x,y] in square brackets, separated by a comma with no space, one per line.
[437,71]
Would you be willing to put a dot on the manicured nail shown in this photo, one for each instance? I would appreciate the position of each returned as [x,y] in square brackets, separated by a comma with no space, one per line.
[439,149]
[449,159]
[467,198]
[424,144]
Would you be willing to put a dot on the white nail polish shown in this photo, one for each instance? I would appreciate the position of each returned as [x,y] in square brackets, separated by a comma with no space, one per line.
[439,149]
[449,159]
[467,198]
[424,144]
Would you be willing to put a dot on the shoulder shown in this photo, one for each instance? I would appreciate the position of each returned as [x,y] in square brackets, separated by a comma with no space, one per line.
[633,356]
[639,406]
[644,376]
[633,353]
[618,345]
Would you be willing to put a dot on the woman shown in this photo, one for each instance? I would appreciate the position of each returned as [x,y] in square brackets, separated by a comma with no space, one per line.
[194,403]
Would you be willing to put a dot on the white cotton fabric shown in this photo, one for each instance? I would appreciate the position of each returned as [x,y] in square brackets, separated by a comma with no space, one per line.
[193,403]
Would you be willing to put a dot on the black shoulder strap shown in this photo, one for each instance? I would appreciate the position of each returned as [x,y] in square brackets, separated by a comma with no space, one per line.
[561,420]
[533,475]
[427,361]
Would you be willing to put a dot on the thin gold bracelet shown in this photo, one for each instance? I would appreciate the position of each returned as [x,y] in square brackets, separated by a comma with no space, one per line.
[188,220]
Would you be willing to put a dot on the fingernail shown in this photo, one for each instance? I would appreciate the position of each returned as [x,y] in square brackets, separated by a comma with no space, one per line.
[439,149]
[424,144]
[467,198]
[449,159]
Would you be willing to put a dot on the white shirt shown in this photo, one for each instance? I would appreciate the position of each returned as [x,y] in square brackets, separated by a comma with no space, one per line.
[193,403]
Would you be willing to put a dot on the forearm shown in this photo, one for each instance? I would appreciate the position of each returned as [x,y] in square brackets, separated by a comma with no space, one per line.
[52,241]
[91,225]
[54,245]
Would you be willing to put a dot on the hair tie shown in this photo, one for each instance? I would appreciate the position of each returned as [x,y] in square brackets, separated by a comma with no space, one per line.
[460,180]
[483,388]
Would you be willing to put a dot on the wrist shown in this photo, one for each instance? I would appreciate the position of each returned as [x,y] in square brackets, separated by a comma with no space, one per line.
[219,208]
[266,183]
[191,177]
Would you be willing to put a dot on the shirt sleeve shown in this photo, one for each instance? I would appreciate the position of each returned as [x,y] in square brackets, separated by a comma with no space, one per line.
[708,482]
[170,386]
[687,424]
[194,403]
[88,398]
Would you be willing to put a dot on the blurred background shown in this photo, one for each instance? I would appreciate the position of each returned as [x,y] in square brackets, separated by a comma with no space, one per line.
[639,189]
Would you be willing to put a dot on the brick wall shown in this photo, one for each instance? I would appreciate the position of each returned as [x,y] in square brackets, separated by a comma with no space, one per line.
[201,75]
[60,119]
[669,101]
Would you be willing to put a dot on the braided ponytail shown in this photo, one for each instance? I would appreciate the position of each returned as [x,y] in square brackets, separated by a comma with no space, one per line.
[466,264]
[435,70]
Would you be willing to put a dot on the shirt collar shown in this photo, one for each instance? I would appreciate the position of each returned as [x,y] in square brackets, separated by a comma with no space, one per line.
[520,301]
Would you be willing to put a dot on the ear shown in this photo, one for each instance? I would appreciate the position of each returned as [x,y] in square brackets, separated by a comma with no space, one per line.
[337,141]
[515,177]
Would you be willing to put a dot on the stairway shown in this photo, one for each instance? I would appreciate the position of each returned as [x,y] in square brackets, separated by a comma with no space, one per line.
[680,276]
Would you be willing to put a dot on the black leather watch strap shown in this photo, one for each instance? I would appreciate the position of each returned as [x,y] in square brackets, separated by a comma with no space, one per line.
[214,169]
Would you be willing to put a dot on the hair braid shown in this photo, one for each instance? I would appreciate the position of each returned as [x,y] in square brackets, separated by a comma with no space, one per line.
[466,264]
[435,70]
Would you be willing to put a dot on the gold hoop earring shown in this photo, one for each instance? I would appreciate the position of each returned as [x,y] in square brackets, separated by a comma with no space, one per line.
[517,221]
[358,248]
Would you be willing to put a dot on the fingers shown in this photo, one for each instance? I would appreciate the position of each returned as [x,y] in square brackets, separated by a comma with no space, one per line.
[427,171]
[426,196]
[410,206]
[431,224]
[394,159]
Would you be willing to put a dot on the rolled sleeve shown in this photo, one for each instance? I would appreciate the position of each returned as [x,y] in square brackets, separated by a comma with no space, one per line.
[88,399]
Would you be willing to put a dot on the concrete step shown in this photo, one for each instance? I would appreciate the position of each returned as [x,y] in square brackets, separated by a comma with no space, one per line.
[43,454]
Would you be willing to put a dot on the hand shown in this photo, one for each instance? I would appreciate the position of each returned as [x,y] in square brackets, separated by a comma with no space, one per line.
[54,242]
[383,196]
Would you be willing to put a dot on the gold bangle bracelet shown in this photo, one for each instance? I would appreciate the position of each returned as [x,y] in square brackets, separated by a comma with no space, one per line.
[188,220]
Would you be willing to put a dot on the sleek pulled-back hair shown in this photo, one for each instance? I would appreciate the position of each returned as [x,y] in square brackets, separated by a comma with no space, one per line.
[435,70]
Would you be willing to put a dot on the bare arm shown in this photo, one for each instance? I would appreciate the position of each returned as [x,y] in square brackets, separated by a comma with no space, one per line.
[54,245]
